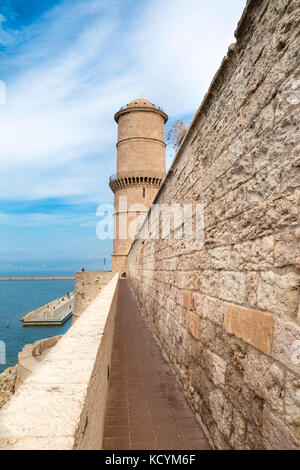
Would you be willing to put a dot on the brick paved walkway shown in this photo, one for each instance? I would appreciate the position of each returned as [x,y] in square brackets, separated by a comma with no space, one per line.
[146,407]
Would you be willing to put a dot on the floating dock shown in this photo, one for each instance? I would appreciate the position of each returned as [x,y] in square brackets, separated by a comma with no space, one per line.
[55,313]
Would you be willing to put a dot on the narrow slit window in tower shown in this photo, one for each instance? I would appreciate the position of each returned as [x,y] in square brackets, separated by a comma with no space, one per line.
[144,192]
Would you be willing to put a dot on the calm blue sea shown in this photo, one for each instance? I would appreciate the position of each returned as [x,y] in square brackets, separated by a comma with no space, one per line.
[18,298]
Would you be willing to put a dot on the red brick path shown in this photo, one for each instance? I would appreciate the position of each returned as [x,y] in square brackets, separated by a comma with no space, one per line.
[146,406]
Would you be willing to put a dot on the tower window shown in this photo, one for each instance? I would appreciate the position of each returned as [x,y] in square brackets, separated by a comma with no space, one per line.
[144,192]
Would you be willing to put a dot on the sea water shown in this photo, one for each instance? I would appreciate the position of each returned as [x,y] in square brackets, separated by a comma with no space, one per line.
[17,298]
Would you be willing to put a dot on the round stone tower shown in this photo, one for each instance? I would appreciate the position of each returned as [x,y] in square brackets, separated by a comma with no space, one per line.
[141,169]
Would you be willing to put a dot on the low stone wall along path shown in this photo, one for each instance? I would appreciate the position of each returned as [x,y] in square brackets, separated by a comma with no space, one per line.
[146,407]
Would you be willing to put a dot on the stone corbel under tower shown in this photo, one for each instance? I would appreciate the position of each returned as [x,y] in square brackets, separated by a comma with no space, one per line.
[141,170]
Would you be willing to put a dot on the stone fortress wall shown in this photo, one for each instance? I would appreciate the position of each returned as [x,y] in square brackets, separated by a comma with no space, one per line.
[61,404]
[31,356]
[227,316]
[28,360]
[88,285]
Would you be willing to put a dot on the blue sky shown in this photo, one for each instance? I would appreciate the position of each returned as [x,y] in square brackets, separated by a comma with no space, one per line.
[68,66]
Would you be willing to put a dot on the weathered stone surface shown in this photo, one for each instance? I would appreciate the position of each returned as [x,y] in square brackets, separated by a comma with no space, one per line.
[292,402]
[216,367]
[209,283]
[194,350]
[221,258]
[261,220]
[222,412]
[187,299]
[265,378]
[197,302]
[276,434]
[194,322]
[239,426]
[236,351]
[214,310]
[186,280]
[238,393]
[212,337]
[252,326]
[286,345]
[240,159]
[218,438]
[251,288]
[255,254]
[200,381]
[254,439]
[257,411]
[232,286]
[279,293]
[287,248]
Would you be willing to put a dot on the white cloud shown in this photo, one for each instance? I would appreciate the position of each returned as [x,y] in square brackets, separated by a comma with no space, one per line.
[6,38]
[180,45]
[79,64]
[39,219]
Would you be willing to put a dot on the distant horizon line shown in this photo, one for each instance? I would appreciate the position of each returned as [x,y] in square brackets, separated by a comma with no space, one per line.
[37,278]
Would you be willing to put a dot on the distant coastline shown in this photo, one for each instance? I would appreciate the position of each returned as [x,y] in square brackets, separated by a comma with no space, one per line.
[37,278]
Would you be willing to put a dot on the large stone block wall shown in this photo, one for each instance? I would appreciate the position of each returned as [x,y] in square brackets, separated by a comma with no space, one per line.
[88,285]
[119,264]
[227,315]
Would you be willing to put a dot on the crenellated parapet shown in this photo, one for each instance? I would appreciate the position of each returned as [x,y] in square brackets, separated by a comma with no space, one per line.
[126,180]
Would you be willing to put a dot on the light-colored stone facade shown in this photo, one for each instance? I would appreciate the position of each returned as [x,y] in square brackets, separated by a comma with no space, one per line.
[227,315]
[31,356]
[28,360]
[88,285]
[61,405]
[141,169]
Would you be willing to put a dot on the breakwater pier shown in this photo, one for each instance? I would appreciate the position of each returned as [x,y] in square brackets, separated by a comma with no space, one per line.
[54,313]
